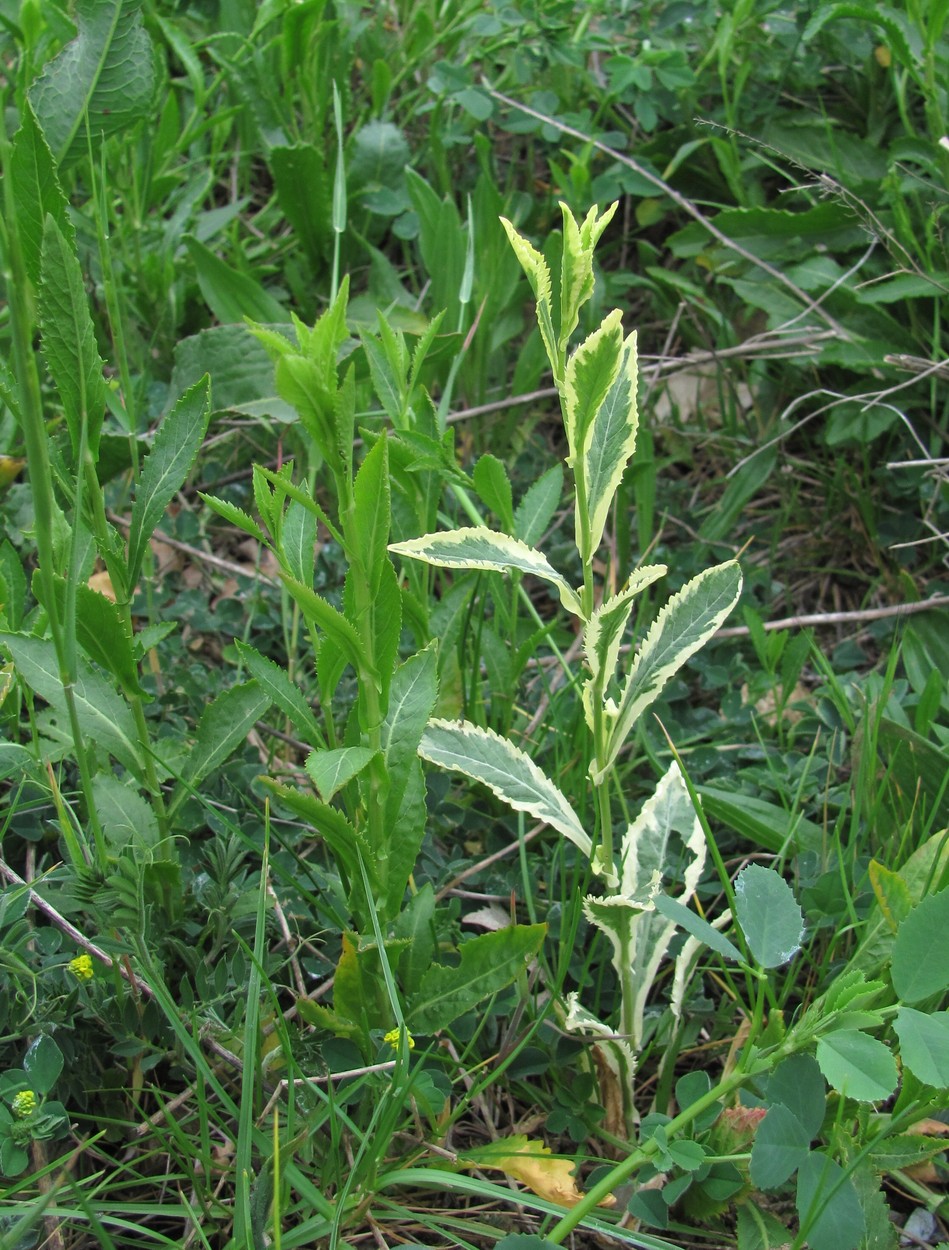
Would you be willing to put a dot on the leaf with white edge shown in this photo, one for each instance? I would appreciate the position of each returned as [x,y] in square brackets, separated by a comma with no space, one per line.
[604,633]
[475,547]
[693,923]
[576,270]
[591,372]
[485,756]
[684,625]
[769,915]
[924,1044]
[166,466]
[857,1065]
[920,965]
[609,444]
[486,964]
[538,275]
[667,814]
[331,770]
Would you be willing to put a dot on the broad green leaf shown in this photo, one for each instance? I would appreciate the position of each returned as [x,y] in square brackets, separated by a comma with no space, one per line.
[494,488]
[36,192]
[106,73]
[166,466]
[331,770]
[766,824]
[230,294]
[827,1205]
[298,541]
[591,372]
[513,776]
[43,1063]
[693,923]
[759,1230]
[69,340]
[604,633]
[769,915]
[796,1083]
[370,530]
[223,726]
[481,548]
[486,964]
[536,509]
[274,681]
[241,371]
[924,1044]
[857,1065]
[415,923]
[304,194]
[609,444]
[104,716]
[685,624]
[99,631]
[538,275]
[127,818]
[782,1144]
[576,277]
[920,964]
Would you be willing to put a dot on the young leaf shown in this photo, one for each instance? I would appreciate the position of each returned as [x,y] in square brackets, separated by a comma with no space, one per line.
[857,1065]
[348,846]
[920,964]
[105,74]
[924,1044]
[576,277]
[538,275]
[331,621]
[331,770]
[480,548]
[69,340]
[487,964]
[685,624]
[298,541]
[166,466]
[591,372]
[769,915]
[609,444]
[513,776]
[235,516]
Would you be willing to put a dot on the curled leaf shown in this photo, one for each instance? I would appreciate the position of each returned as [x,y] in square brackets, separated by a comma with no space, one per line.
[530,1162]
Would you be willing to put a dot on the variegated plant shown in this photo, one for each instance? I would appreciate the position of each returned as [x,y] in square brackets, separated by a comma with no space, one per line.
[597,386]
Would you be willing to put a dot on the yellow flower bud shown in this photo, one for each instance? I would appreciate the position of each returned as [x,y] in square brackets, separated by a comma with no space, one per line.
[24,1104]
[81,967]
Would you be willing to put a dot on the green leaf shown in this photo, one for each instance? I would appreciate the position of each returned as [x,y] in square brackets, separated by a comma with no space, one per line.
[828,1207]
[609,444]
[370,530]
[127,819]
[69,340]
[480,548]
[604,633]
[104,716]
[331,770]
[235,516]
[229,294]
[43,1063]
[686,1154]
[298,541]
[36,192]
[329,620]
[241,371]
[920,965]
[857,1065]
[166,467]
[693,923]
[486,964]
[288,697]
[924,1044]
[769,915]
[766,824]
[797,1084]
[536,509]
[99,631]
[513,776]
[781,1145]
[223,726]
[685,624]
[494,487]
[332,826]
[106,73]
[304,194]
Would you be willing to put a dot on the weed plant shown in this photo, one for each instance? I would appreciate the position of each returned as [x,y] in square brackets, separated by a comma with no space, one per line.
[292,543]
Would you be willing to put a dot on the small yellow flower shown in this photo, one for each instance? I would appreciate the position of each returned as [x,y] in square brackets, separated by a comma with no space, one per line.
[24,1104]
[392,1039]
[81,967]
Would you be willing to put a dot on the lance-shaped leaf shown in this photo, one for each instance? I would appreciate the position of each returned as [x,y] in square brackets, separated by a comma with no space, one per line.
[289,698]
[604,633]
[107,73]
[538,275]
[513,776]
[476,547]
[69,340]
[685,624]
[166,466]
[36,192]
[224,724]
[331,770]
[576,274]
[609,443]
[591,372]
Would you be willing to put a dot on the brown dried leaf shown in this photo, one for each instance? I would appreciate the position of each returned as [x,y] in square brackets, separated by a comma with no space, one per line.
[530,1162]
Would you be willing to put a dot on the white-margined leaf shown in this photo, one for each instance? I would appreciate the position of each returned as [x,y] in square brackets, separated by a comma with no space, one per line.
[604,633]
[609,443]
[576,273]
[684,625]
[476,547]
[590,374]
[485,756]
[538,275]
